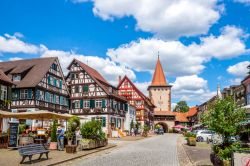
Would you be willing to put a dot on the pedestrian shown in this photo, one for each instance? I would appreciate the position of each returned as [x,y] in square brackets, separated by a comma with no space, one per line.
[132,132]
[60,138]
[78,135]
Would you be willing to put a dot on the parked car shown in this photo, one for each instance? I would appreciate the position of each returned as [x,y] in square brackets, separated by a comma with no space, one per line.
[159,131]
[204,135]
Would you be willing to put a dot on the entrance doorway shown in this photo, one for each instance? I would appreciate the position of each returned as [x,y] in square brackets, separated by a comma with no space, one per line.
[164,126]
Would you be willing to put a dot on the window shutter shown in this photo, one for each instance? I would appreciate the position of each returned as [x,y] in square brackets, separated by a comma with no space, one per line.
[49,79]
[92,103]
[60,85]
[29,93]
[112,104]
[103,103]
[37,94]
[18,93]
[73,105]
[103,121]
[55,80]
[81,103]
[126,107]
[9,93]
[85,88]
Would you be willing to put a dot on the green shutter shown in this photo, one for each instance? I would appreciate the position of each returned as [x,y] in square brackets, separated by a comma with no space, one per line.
[112,104]
[49,79]
[126,107]
[9,93]
[92,103]
[103,103]
[85,88]
[29,93]
[55,80]
[103,121]
[81,103]
[37,94]
[60,84]
[18,94]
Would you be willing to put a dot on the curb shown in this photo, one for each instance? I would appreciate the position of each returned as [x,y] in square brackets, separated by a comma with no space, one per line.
[181,151]
[98,150]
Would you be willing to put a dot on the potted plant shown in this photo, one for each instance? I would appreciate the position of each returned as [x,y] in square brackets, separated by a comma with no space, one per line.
[53,143]
[69,136]
[191,139]
[73,124]
[145,130]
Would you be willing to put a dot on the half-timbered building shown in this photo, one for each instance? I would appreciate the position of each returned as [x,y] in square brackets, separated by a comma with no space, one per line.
[144,107]
[5,99]
[92,97]
[39,85]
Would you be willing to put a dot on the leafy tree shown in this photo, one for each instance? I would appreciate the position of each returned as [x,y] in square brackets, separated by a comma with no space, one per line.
[225,118]
[181,107]
[53,131]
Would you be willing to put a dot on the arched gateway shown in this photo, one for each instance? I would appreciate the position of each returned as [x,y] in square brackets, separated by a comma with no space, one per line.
[164,126]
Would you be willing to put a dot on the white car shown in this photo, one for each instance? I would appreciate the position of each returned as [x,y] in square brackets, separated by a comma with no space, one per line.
[203,135]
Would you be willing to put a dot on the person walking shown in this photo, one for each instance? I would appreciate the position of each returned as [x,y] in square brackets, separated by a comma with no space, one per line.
[78,135]
[60,138]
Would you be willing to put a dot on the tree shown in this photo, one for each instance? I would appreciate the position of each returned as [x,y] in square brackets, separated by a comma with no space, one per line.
[225,118]
[53,131]
[181,107]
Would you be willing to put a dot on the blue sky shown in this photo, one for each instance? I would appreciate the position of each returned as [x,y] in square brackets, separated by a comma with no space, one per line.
[198,41]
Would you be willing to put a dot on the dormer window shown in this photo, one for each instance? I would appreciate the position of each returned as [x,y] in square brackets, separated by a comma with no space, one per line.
[54,66]
[16,77]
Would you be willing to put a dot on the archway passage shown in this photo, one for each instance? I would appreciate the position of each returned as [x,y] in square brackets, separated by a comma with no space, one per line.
[164,126]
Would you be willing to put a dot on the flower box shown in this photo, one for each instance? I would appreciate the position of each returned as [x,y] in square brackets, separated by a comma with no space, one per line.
[191,141]
[86,144]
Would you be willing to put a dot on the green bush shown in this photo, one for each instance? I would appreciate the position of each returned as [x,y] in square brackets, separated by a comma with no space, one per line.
[92,130]
[189,134]
[53,131]
[22,128]
[73,124]
[145,130]
[191,141]
[170,130]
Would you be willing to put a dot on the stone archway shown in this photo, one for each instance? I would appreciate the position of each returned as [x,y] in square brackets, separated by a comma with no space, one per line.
[164,126]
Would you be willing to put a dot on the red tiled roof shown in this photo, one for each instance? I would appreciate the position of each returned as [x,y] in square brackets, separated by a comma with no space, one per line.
[159,78]
[192,111]
[181,117]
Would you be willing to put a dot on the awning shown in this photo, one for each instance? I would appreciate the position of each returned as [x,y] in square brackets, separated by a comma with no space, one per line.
[39,115]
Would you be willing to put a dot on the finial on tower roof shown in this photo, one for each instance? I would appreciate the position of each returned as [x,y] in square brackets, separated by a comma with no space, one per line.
[158,55]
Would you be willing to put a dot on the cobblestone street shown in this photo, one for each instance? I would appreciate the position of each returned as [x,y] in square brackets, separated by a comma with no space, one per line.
[154,151]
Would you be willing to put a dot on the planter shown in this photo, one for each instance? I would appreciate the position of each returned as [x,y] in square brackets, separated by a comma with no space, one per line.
[217,161]
[25,140]
[191,141]
[53,145]
[70,148]
[86,144]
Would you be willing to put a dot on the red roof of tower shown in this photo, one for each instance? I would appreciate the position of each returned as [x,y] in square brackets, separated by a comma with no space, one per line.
[159,78]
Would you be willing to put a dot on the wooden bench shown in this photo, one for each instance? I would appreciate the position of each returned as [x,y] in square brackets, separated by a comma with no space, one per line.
[32,149]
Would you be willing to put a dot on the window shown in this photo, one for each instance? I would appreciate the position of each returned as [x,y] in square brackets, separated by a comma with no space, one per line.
[77,104]
[24,94]
[4,92]
[56,99]
[248,98]
[41,95]
[76,89]
[16,77]
[85,89]
[15,94]
[54,66]
[74,76]
[98,103]
[86,104]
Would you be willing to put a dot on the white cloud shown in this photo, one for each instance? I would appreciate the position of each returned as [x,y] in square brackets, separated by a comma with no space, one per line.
[12,44]
[235,81]
[165,18]
[179,59]
[191,88]
[15,58]
[239,69]
[143,86]
[110,70]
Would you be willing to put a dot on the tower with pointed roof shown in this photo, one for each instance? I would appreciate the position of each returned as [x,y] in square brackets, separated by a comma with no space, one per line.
[160,90]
